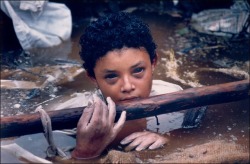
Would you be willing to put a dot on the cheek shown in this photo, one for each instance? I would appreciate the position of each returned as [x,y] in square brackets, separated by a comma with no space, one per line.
[110,91]
[145,89]
[145,85]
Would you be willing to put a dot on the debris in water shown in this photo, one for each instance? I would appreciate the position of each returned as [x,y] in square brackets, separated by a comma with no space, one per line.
[17,106]
[234,72]
[234,138]
[16,84]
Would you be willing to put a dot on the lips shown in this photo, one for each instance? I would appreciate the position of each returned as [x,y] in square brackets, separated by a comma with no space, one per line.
[129,98]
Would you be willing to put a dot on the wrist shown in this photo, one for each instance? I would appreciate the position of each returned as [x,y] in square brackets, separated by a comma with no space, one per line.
[82,155]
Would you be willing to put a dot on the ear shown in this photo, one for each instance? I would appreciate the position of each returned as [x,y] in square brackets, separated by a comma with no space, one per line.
[154,62]
[93,79]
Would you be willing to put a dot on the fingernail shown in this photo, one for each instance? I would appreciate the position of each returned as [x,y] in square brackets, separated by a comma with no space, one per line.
[108,99]
[150,147]
[123,142]
[138,149]
[90,103]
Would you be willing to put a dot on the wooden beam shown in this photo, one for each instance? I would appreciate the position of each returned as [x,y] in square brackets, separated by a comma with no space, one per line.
[166,103]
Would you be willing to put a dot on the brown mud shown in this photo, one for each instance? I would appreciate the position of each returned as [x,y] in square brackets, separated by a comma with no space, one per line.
[187,58]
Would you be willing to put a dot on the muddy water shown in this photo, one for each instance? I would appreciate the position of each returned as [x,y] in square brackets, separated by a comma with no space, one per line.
[182,55]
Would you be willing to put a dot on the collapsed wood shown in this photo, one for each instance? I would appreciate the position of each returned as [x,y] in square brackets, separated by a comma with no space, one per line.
[17,84]
[53,74]
[166,103]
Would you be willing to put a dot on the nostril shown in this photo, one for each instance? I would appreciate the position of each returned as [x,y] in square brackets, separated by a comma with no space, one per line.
[127,86]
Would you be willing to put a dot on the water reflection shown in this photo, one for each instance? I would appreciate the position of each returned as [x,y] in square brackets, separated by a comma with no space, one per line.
[167,122]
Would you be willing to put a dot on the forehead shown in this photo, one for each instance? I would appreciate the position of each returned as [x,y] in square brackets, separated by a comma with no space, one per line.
[123,58]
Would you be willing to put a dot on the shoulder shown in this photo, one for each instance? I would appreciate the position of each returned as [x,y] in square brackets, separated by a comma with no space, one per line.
[162,87]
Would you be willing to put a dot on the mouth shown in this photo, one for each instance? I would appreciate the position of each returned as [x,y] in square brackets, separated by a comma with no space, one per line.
[129,98]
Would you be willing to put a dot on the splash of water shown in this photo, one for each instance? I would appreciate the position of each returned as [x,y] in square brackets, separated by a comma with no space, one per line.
[172,66]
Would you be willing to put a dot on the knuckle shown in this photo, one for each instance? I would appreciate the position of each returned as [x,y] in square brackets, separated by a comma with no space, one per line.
[105,125]
[95,122]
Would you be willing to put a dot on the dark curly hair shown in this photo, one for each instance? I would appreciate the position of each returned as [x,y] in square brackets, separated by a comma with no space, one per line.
[114,31]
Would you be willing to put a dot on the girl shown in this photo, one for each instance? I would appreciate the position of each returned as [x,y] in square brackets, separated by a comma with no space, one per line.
[119,55]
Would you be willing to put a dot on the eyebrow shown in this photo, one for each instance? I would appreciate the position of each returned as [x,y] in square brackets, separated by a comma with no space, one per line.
[108,71]
[137,64]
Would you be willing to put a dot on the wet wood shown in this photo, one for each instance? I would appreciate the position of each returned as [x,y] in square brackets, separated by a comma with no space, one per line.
[166,103]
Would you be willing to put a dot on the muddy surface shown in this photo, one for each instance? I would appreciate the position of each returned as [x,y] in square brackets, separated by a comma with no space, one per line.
[187,58]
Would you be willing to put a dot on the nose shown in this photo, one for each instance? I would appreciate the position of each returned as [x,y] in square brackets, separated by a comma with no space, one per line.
[127,85]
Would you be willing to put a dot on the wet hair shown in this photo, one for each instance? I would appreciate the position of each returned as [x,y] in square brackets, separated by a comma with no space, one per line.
[111,32]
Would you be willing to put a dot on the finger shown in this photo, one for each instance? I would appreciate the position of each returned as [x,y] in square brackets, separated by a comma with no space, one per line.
[120,123]
[131,137]
[86,116]
[159,143]
[90,100]
[145,144]
[97,114]
[112,111]
[106,112]
[133,144]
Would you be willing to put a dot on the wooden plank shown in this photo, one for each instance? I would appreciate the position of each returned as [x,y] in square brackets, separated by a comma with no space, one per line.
[166,103]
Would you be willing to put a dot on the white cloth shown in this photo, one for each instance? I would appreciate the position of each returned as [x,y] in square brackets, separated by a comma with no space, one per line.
[223,22]
[33,6]
[39,24]
[162,87]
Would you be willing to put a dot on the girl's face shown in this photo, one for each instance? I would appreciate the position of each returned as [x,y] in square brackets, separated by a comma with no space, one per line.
[125,74]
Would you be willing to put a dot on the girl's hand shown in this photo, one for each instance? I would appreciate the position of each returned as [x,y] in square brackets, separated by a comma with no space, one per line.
[143,140]
[96,129]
